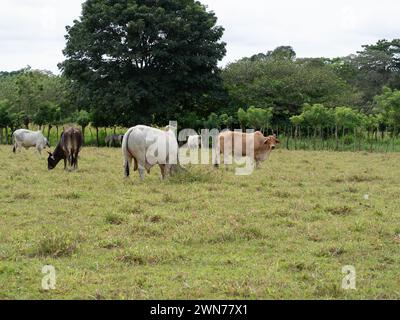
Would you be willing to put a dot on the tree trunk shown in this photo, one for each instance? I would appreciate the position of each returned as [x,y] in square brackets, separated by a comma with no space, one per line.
[387,144]
[315,138]
[91,135]
[1,135]
[321,136]
[97,137]
[83,133]
[49,131]
[343,133]
[371,142]
[7,141]
[393,139]
[355,139]
[288,136]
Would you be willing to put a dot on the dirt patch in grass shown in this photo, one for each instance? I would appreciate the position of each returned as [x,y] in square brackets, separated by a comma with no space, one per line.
[115,218]
[23,196]
[145,256]
[363,178]
[110,244]
[330,252]
[69,195]
[340,211]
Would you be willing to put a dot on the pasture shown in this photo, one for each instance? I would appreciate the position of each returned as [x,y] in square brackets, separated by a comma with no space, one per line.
[284,232]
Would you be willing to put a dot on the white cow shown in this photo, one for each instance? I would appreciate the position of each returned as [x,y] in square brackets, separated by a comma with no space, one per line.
[194,142]
[149,147]
[27,139]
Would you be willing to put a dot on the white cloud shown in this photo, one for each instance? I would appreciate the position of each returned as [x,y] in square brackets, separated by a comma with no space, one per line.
[313,28]
[32,31]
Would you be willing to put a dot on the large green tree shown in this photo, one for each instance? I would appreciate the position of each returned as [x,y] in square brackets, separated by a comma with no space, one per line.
[144,60]
[378,65]
[279,81]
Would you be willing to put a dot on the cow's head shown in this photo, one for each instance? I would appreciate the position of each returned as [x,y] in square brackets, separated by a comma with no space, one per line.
[51,161]
[271,142]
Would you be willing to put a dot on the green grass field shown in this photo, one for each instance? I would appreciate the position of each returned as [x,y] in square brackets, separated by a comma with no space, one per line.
[284,232]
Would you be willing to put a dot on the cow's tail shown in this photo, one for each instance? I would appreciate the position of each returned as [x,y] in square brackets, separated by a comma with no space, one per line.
[127,154]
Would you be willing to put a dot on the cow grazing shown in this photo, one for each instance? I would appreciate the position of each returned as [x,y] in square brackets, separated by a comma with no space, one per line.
[194,142]
[68,149]
[259,149]
[27,139]
[114,140]
[148,147]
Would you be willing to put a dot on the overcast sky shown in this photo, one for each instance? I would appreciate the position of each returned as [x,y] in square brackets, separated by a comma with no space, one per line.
[32,31]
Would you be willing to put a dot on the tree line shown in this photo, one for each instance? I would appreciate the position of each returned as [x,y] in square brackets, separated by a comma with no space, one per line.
[129,62]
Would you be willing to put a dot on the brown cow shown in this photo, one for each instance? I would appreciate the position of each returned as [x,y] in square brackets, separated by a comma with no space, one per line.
[68,149]
[259,149]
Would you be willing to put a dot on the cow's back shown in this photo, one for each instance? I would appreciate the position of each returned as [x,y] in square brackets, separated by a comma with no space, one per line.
[72,140]
[232,142]
[241,143]
[27,138]
[142,141]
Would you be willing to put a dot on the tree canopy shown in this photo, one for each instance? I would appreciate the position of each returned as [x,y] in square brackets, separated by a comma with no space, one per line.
[144,61]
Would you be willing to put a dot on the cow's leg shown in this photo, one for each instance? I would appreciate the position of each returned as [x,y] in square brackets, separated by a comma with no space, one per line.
[142,170]
[167,171]
[216,161]
[148,168]
[216,155]
[162,167]
[19,147]
[229,158]
[75,161]
[216,158]
[65,163]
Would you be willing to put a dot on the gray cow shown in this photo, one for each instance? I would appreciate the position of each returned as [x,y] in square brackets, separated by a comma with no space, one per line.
[26,139]
[114,140]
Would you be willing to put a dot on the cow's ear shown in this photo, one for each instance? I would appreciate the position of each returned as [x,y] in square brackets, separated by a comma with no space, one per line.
[266,140]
